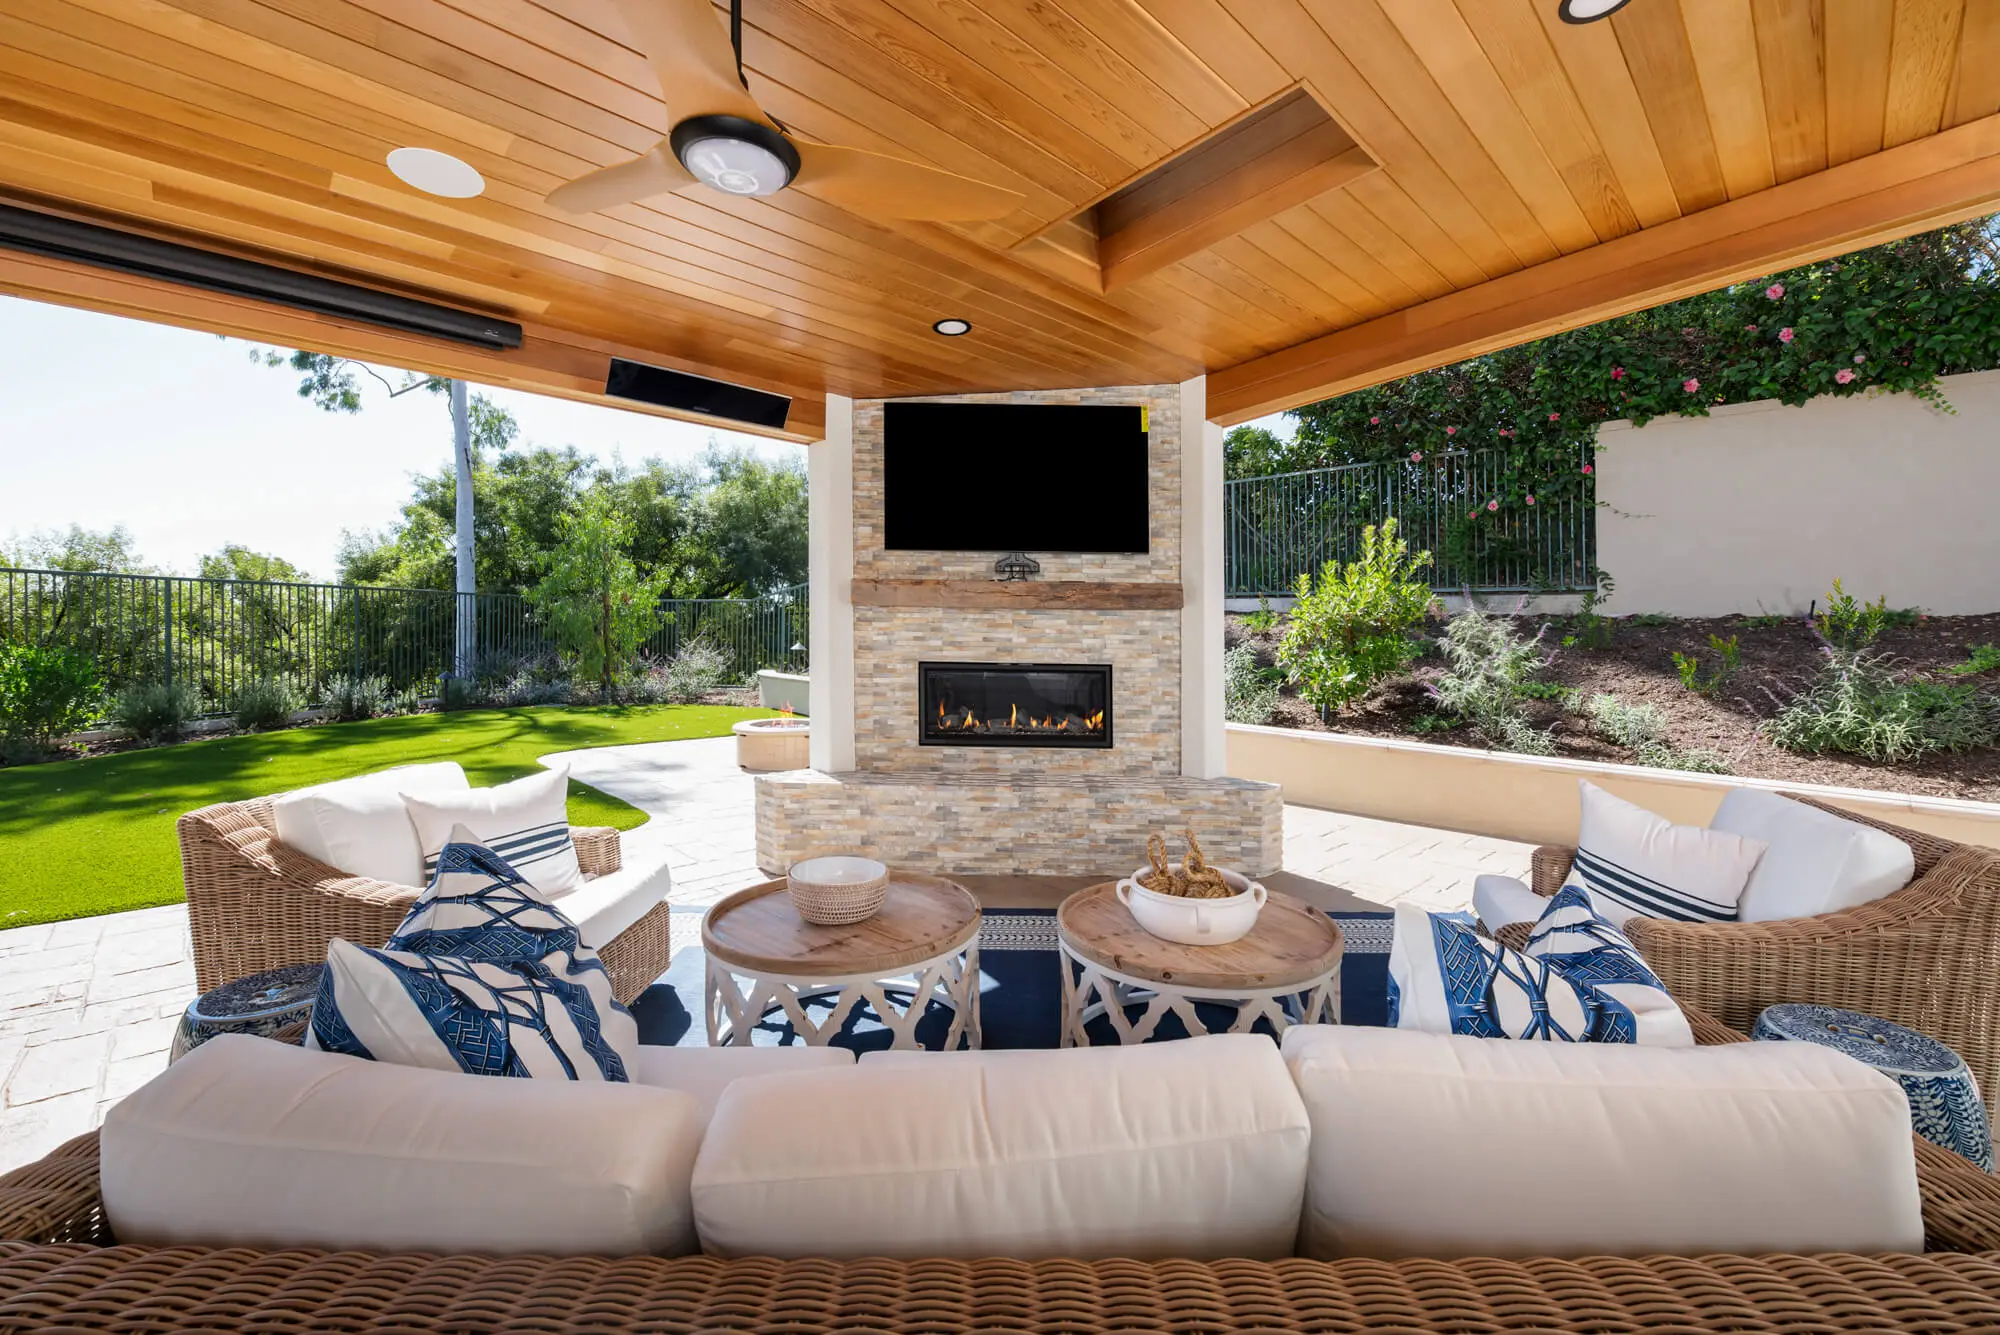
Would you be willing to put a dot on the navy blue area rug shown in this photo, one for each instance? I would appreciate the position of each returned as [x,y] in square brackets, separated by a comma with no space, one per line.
[1020,991]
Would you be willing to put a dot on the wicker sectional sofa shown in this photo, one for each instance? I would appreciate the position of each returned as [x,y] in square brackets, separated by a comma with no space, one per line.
[61,1270]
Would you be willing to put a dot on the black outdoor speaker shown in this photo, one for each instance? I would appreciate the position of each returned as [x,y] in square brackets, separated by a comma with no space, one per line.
[695,394]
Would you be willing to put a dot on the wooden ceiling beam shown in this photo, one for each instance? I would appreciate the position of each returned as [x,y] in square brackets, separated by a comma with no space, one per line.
[1927,183]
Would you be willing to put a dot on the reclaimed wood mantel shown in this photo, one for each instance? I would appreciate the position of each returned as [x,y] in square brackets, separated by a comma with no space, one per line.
[991,594]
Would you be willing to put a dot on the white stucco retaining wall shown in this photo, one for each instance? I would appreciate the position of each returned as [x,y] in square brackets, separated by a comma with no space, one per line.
[1533,798]
[1759,507]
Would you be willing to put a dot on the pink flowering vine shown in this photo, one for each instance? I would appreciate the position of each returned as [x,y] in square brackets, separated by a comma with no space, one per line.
[1775,291]
[1845,375]
[1493,505]
[1416,456]
[1374,421]
[1531,500]
[1785,334]
[1588,469]
[1860,357]
[1617,373]
[1690,385]
[1751,328]
[1555,417]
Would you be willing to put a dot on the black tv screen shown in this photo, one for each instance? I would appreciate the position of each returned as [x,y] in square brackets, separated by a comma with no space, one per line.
[1015,477]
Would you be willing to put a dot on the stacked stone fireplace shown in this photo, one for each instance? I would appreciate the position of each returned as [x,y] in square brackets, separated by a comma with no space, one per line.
[1033,728]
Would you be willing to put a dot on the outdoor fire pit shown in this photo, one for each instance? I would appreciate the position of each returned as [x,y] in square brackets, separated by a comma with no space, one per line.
[773,743]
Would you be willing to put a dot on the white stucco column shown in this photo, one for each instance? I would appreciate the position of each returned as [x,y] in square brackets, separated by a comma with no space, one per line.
[1202,736]
[830,541]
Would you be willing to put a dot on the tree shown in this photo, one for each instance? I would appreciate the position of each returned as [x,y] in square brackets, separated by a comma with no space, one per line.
[752,525]
[593,598]
[78,549]
[1252,451]
[239,562]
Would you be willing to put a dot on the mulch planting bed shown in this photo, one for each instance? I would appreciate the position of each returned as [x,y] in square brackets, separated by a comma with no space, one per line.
[1778,661]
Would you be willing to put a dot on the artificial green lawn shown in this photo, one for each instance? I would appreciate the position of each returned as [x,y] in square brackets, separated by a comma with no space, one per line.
[81,837]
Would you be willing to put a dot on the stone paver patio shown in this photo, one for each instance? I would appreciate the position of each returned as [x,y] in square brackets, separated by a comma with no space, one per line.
[89,1007]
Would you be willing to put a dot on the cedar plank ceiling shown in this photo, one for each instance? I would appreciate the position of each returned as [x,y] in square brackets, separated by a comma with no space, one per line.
[1506,141]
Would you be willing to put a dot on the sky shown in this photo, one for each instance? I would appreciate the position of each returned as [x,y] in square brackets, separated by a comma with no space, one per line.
[189,444]
[185,441]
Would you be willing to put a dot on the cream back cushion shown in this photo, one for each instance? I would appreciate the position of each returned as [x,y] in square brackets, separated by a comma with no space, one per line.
[1816,863]
[1439,1145]
[249,1143]
[360,826]
[526,822]
[1192,1149]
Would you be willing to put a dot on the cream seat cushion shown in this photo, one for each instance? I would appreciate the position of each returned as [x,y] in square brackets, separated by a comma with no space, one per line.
[1816,863]
[246,1142]
[704,1073]
[1440,1145]
[1187,1149]
[360,826]
[603,906]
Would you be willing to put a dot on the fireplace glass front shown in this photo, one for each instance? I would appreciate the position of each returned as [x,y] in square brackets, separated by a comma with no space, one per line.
[1014,704]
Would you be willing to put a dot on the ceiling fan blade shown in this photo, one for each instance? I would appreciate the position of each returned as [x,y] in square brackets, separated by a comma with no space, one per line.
[656,173]
[877,186]
[692,58]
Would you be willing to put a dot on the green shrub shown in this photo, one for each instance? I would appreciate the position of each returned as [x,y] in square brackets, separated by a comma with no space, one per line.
[1642,729]
[459,693]
[351,699]
[45,694]
[155,711]
[263,704]
[1859,707]
[1248,693]
[1728,658]
[696,670]
[1981,658]
[1354,628]
[1491,671]
[1849,623]
[1261,620]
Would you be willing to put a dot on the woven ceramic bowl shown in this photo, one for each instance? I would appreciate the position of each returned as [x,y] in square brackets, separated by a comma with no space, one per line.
[835,891]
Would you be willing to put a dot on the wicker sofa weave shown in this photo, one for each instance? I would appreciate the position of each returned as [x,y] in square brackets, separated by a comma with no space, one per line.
[61,1270]
[1927,956]
[256,903]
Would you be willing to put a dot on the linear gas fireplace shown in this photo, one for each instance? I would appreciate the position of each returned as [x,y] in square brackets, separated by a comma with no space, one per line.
[1014,704]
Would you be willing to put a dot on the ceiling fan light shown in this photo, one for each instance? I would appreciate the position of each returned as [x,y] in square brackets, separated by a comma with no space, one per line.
[735,155]
[1588,11]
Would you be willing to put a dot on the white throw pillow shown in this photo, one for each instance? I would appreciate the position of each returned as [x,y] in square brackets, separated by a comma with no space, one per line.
[1638,865]
[1816,863]
[249,1143]
[1435,1145]
[1577,941]
[1445,978]
[526,822]
[360,825]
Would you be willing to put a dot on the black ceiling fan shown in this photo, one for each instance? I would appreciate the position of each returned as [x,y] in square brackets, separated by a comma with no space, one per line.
[723,140]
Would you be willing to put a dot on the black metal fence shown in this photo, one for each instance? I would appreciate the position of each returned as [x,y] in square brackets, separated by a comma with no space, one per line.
[219,634]
[1277,528]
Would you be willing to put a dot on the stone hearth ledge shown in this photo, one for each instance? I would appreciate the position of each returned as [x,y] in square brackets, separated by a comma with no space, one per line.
[997,824]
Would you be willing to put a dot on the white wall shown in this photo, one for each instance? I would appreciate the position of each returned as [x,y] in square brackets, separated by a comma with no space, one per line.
[830,548]
[1759,507]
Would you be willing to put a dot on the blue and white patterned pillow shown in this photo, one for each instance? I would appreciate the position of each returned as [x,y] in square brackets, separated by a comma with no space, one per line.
[1579,981]
[1577,941]
[483,975]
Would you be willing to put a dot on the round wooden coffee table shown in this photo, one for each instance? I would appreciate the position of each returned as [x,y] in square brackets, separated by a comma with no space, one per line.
[763,958]
[1286,971]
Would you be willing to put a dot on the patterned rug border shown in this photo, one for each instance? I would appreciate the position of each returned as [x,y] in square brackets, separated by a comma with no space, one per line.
[1035,929]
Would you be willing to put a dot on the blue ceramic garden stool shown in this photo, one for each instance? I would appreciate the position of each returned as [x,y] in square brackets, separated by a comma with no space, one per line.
[261,1005]
[1944,1099]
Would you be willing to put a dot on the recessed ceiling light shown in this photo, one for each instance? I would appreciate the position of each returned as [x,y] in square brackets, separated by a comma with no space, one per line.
[952,328]
[1589,11]
[436,173]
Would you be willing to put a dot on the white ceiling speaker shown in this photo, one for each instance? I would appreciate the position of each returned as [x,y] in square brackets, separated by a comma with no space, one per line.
[436,173]
[1589,11]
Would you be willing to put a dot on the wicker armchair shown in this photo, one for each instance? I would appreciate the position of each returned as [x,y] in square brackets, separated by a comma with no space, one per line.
[254,903]
[1927,956]
[61,1270]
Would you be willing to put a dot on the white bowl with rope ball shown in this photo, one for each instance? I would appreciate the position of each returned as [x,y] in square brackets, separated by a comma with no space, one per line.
[1194,922]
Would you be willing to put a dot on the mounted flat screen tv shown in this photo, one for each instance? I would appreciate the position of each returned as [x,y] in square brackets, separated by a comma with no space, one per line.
[1014,477]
